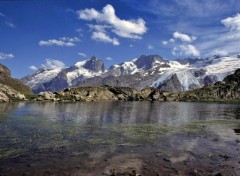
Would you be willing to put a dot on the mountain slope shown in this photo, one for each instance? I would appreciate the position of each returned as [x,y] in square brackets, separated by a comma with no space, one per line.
[11,89]
[6,79]
[145,71]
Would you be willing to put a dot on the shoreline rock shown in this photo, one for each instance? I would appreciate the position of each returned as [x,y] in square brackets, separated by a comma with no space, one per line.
[8,94]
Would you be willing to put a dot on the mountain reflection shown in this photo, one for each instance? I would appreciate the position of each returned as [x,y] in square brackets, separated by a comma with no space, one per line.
[84,113]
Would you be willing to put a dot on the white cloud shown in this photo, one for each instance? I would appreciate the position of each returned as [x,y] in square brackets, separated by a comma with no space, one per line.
[133,29]
[101,36]
[63,41]
[32,67]
[171,40]
[185,50]
[98,27]
[82,54]
[53,64]
[223,41]
[150,47]
[10,24]
[232,23]
[131,45]
[181,47]
[6,56]
[164,42]
[220,52]
[109,58]
[183,37]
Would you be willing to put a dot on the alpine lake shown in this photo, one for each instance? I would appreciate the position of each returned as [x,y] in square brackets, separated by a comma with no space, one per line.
[119,138]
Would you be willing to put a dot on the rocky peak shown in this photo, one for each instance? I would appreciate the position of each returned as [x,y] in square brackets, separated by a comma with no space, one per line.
[94,64]
[147,62]
[7,80]
[41,70]
[234,78]
[4,71]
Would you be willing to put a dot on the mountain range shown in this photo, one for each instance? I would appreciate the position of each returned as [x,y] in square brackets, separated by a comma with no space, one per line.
[142,72]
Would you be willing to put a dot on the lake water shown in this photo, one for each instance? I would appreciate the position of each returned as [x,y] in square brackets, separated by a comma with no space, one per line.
[99,138]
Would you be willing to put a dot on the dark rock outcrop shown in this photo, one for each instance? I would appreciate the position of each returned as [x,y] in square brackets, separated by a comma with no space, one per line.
[226,90]
[94,64]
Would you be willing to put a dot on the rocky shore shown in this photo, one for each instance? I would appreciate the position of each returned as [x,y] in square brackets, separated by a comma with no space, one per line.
[8,94]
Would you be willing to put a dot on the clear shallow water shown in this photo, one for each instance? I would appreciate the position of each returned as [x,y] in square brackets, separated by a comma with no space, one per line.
[93,138]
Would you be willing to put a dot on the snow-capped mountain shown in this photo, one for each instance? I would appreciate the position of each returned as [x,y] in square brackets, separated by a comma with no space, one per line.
[57,79]
[142,72]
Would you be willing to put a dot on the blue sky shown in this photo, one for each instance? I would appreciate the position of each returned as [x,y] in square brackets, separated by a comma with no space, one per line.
[59,33]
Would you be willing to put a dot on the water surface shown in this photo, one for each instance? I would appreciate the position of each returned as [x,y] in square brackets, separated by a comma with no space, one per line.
[95,138]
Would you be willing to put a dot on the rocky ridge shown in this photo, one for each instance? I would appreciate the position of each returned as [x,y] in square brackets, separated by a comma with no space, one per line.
[11,89]
[6,79]
[226,90]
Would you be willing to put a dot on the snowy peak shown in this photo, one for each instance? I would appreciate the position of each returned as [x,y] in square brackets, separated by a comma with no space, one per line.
[138,65]
[144,71]
[147,62]
[94,64]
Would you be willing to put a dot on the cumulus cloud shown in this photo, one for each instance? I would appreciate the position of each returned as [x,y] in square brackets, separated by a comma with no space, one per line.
[180,45]
[101,36]
[98,27]
[53,64]
[6,56]
[123,28]
[131,45]
[185,50]
[109,58]
[32,67]
[108,21]
[63,41]
[183,37]
[232,23]
[82,54]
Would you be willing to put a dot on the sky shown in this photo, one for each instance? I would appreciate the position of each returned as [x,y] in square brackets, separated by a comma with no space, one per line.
[57,34]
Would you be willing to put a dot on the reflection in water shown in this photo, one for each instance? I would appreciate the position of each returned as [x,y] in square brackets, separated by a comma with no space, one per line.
[169,113]
[88,138]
